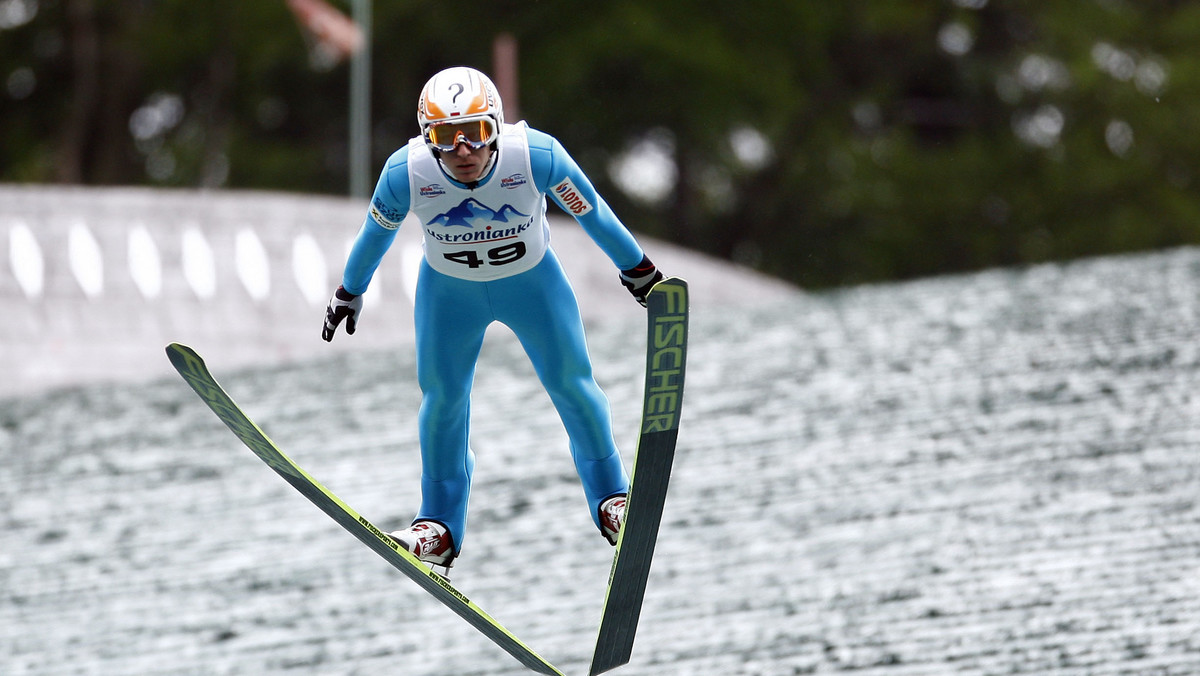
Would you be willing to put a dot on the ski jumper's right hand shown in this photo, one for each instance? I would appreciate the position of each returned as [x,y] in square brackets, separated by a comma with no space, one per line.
[343,305]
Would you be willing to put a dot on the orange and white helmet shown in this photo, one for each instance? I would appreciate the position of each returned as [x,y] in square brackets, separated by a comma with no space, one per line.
[459,105]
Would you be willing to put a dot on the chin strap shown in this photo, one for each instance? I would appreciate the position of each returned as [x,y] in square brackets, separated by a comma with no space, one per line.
[487,168]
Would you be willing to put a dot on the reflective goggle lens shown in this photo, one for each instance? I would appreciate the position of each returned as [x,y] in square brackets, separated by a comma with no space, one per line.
[477,133]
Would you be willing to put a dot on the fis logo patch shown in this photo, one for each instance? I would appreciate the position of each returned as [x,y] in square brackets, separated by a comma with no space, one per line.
[384,215]
[570,199]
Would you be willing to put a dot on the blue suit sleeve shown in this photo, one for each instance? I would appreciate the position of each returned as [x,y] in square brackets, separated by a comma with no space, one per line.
[389,206]
[556,173]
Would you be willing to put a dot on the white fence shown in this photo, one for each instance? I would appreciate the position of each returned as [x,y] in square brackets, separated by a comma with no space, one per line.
[94,282]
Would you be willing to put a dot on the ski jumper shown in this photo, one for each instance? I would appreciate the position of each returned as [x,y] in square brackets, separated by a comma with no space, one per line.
[488,259]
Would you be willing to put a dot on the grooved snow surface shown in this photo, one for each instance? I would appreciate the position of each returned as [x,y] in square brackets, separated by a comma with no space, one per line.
[985,474]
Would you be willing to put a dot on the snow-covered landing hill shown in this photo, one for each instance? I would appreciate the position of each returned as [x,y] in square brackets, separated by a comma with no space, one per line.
[985,474]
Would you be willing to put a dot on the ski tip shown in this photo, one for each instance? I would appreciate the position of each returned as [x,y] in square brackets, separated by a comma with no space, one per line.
[670,286]
[183,357]
[178,350]
[669,295]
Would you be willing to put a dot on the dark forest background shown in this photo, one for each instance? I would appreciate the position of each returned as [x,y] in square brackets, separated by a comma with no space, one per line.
[827,143]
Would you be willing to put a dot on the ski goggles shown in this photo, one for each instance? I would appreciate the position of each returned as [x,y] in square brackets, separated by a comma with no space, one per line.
[475,133]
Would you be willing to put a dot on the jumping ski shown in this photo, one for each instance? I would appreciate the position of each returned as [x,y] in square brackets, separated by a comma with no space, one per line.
[666,356]
[192,368]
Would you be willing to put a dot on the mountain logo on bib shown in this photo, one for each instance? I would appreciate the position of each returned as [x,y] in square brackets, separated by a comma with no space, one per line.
[471,212]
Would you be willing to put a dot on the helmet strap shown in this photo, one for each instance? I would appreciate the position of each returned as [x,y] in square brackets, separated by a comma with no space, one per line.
[487,168]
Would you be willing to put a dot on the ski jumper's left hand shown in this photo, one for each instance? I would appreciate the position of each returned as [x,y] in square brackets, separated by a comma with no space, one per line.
[640,279]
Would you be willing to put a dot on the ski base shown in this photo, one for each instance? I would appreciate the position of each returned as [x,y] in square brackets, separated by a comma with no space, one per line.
[666,357]
[192,368]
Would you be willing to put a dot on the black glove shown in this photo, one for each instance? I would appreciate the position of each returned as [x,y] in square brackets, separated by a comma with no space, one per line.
[343,305]
[640,279]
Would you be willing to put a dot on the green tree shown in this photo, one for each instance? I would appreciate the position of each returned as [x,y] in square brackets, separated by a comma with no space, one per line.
[824,142]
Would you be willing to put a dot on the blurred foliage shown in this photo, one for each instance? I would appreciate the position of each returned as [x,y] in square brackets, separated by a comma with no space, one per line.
[827,143]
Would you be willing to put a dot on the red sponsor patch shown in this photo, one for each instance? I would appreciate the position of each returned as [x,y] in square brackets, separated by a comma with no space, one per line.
[570,198]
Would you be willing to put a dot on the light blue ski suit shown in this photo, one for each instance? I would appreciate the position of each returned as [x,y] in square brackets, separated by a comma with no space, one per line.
[487,259]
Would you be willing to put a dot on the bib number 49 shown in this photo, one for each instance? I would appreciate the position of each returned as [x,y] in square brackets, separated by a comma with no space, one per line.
[501,255]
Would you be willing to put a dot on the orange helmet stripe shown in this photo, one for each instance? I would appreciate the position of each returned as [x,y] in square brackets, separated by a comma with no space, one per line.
[479,104]
[432,111]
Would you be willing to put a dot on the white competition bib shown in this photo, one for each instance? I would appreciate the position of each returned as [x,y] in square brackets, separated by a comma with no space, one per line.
[497,230]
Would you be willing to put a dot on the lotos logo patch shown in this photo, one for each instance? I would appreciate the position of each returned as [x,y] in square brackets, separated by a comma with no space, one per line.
[570,198]
[512,182]
[432,190]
